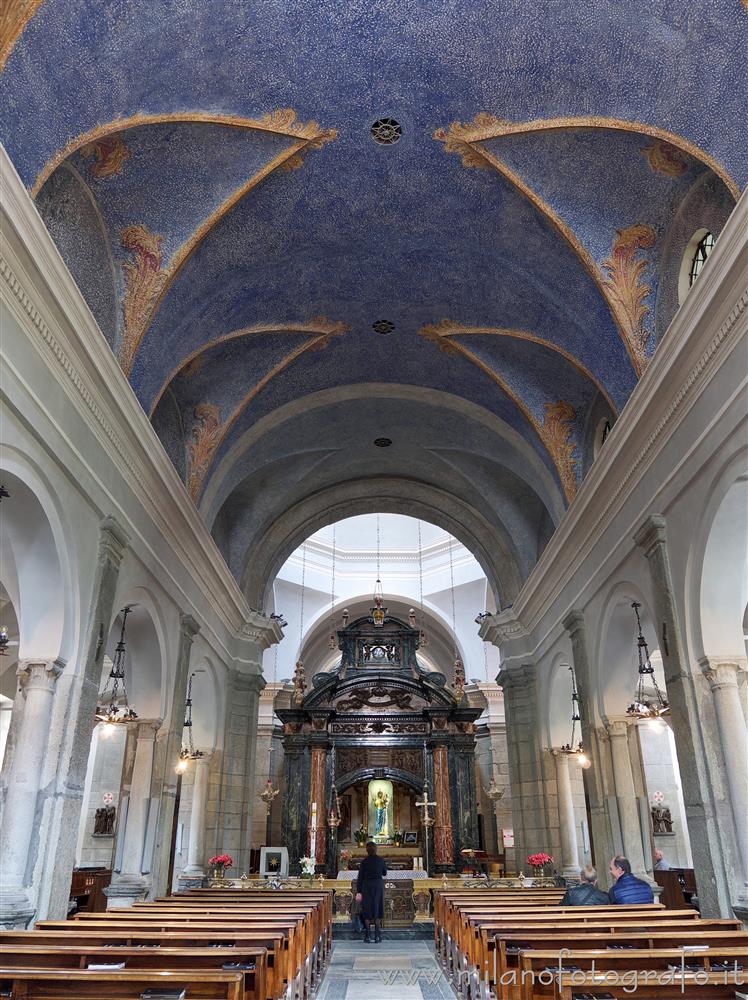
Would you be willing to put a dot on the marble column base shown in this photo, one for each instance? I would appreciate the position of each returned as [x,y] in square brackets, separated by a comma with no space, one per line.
[191,882]
[126,890]
[16,910]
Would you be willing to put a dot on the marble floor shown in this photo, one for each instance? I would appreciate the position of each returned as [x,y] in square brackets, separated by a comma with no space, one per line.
[392,970]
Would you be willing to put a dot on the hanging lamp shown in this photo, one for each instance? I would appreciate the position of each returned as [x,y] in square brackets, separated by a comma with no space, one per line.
[188,753]
[570,748]
[114,713]
[379,611]
[643,706]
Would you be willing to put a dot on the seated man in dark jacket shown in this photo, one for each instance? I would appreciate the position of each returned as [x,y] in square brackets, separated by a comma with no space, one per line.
[586,893]
[627,888]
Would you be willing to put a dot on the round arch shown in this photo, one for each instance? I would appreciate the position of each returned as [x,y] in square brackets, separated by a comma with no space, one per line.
[39,562]
[346,781]
[558,702]
[716,566]
[489,544]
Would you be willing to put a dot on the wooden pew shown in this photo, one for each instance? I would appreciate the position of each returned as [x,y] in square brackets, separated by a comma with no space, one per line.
[81,955]
[78,984]
[613,971]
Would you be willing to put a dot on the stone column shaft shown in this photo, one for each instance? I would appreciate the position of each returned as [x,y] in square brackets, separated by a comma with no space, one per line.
[628,807]
[696,753]
[723,681]
[137,807]
[567,819]
[38,678]
[196,847]
[444,847]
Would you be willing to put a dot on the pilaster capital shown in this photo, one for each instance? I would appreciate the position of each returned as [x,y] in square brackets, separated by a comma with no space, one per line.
[502,628]
[619,727]
[574,622]
[721,673]
[188,627]
[39,675]
[516,675]
[145,729]
[651,534]
[113,539]
[243,681]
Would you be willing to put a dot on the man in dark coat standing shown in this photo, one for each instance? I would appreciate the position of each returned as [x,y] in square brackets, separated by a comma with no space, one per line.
[627,888]
[586,893]
[370,891]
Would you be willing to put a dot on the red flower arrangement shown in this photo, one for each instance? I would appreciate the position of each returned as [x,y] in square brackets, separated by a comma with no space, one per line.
[539,859]
[221,861]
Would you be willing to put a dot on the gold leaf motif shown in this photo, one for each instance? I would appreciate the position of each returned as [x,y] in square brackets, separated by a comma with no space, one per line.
[205,438]
[14,16]
[439,333]
[458,138]
[109,156]
[556,436]
[626,287]
[285,120]
[143,279]
[665,158]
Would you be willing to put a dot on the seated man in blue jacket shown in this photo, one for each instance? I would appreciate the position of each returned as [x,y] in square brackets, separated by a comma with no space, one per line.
[587,892]
[627,888]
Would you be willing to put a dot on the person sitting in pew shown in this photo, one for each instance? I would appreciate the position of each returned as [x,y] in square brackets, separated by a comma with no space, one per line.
[627,888]
[661,864]
[586,893]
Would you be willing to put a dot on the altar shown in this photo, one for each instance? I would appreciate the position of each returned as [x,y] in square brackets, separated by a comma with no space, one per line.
[361,748]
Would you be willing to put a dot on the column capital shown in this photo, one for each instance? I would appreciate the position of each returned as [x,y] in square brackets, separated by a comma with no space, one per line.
[254,683]
[39,675]
[516,675]
[503,627]
[721,673]
[145,729]
[262,629]
[651,534]
[113,539]
[574,621]
[188,627]
[619,727]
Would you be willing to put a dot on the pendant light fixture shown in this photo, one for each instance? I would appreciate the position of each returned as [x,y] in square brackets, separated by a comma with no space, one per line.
[643,706]
[188,753]
[379,611]
[570,748]
[115,712]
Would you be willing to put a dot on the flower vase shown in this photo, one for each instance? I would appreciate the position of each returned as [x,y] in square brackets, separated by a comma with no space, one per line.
[218,871]
[537,871]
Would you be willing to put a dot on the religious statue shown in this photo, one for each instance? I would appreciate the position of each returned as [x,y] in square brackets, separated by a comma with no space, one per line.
[662,820]
[299,683]
[381,801]
[104,821]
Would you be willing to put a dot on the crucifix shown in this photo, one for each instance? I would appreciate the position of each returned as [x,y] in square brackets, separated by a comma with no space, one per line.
[427,820]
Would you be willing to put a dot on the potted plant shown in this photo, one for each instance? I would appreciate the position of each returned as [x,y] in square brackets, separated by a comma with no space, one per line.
[360,836]
[538,862]
[307,867]
[397,838]
[345,857]
[220,863]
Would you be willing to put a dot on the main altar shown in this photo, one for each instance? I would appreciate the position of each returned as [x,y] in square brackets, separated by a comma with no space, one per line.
[367,743]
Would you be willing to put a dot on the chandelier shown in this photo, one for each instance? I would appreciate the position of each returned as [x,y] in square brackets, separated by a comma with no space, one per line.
[643,706]
[188,753]
[114,713]
[493,793]
[379,611]
[570,748]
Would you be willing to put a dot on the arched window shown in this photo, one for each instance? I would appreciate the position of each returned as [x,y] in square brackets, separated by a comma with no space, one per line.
[703,249]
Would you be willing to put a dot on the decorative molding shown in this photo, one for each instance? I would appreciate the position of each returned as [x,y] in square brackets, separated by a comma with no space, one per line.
[625,270]
[109,156]
[144,278]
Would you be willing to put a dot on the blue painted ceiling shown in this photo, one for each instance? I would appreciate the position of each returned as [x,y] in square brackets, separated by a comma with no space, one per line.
[516,236]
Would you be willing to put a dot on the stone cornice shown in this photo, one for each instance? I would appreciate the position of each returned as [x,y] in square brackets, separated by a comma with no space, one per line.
[704,332]
[41,292]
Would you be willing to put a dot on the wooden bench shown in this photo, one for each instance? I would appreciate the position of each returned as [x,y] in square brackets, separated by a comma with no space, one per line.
[81,955]
[649,970]
[77,984]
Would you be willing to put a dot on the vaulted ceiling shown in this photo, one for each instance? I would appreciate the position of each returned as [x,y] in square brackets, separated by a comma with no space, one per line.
[208,172]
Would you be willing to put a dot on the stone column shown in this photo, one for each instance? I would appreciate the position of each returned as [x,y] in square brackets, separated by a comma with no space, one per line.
[164,789]
[567,819]
[317,846]
[444,848]
[196,847]
[723,681]
[628,806]
[73,721]
[38,679]
[698,746]
[129,884]
[601,832]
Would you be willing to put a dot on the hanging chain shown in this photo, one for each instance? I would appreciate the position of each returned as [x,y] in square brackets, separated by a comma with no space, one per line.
[275,663]
[420,573]
[452,589]
[575,717]
[303,590]
[378,576]
[332,588]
